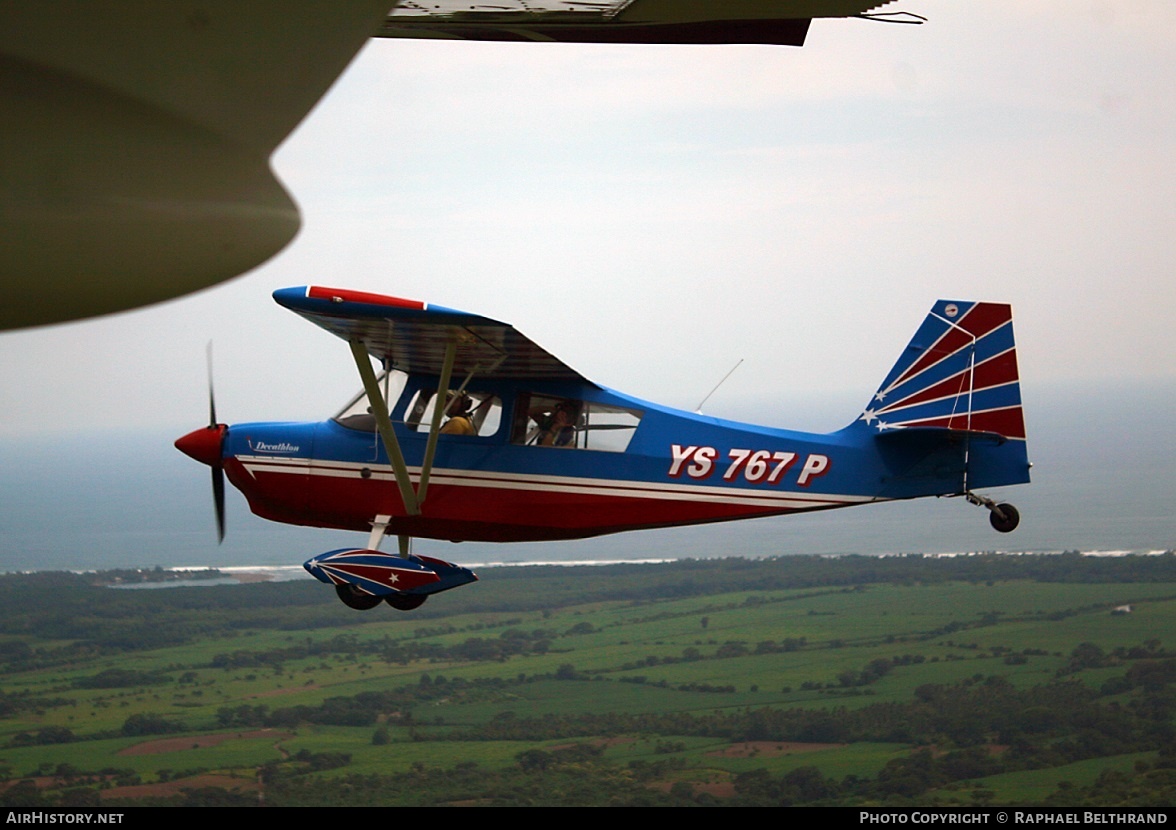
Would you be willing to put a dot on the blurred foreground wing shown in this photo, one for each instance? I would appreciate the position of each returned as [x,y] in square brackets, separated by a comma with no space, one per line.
[778,22]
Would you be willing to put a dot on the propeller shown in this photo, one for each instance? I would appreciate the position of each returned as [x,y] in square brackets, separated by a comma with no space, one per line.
[218,469]
[206,445]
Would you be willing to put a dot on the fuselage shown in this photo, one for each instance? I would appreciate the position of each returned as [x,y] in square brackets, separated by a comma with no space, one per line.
[639,465]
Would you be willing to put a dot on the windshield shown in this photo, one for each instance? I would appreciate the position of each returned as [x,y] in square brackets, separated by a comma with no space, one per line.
[357,413]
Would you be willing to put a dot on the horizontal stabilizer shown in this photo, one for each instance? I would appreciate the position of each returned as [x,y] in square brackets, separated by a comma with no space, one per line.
[918,436]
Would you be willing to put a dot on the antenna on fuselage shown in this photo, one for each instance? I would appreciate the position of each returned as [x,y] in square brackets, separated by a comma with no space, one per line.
[698,409]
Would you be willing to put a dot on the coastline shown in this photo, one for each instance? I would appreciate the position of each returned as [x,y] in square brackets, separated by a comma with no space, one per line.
[186,577]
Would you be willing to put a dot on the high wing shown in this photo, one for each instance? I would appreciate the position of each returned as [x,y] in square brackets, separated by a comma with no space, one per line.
[418,338]
[777,22]
[413,336]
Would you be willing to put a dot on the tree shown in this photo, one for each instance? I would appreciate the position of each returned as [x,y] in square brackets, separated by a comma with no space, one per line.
[534,760]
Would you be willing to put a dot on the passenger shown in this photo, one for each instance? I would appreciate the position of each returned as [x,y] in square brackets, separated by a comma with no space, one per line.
[559,428]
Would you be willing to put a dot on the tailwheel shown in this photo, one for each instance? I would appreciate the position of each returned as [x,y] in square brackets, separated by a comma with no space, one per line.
[354,598]
[1004,518]
[406,602]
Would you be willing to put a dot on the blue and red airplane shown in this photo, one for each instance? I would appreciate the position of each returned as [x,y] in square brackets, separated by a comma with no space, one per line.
[471,431]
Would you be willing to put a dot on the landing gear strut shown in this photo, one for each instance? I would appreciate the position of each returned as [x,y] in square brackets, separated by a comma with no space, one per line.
[1004,518]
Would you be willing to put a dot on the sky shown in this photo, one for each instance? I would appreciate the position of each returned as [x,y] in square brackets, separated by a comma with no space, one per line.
[652,215]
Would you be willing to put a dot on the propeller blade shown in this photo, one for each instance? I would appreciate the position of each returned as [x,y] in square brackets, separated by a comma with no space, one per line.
[218,470]
[218,499]
[207,445]
[211,397]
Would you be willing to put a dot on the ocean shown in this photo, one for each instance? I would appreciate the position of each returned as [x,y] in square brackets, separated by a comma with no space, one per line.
[1103,480]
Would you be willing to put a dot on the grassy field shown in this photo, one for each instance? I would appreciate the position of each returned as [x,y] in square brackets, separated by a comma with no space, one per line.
[664,683]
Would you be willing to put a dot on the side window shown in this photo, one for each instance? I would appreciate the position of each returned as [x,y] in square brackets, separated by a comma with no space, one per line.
[609,428]
[549,421]
[466,413]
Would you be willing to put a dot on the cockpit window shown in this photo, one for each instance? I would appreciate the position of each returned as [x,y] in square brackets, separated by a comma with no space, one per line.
[357,414]
[549,421]
[466,413]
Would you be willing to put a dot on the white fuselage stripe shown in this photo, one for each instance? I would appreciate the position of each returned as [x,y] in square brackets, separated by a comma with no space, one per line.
[555,484]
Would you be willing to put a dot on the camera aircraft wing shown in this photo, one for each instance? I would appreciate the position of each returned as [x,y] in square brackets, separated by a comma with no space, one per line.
[771,22]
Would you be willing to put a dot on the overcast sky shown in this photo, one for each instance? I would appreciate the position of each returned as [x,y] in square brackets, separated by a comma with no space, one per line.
[652,215]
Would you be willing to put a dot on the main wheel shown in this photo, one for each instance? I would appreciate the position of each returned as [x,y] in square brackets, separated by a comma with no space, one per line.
[1011,518]
[354,598]
[406,602]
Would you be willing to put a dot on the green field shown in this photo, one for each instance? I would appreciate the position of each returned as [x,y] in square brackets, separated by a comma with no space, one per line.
[792,681]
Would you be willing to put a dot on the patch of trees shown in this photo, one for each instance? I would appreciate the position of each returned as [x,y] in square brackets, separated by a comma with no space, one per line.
[189,797]
[12,703]
[44,737]
[965,715]
[571,777]
[729,649]
[143,724]
[576,775]
[1145,787]
[510,643]
[15,654]
[121,679]
[705,687]
[363,709]
[304,761]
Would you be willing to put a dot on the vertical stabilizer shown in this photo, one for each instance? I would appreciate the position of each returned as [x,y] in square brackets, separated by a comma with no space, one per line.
[959,372]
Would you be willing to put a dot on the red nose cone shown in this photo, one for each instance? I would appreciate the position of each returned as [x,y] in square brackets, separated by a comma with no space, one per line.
[204,444]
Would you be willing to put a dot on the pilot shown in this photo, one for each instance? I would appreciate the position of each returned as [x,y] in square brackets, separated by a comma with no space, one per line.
[559,429]
[460,421]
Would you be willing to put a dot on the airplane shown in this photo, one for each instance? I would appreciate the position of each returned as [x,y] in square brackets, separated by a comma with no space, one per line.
[471,431]
[137,135]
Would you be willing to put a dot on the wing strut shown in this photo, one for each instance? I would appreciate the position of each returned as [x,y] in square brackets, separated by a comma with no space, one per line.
[438,410]
[384,425]
[412,499]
